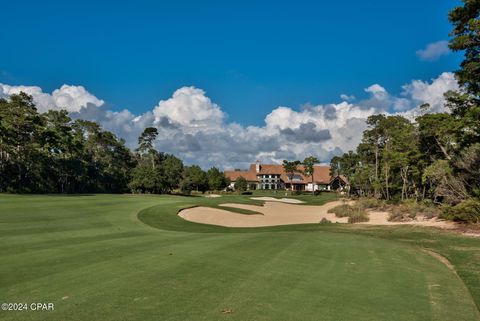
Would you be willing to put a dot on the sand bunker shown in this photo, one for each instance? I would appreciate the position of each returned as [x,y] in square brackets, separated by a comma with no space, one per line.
[280,213]
[213,195]
[274,213]
[272,199]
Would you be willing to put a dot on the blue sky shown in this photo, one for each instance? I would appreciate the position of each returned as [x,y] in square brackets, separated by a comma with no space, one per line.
[249,56]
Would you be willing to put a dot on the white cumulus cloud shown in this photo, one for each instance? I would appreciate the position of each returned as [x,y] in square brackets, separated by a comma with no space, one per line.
[433,51]
[74,98]
[419,91]
[190,107]
[70,98]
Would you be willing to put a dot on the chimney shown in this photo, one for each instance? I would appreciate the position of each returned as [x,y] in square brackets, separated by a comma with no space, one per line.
[257,166]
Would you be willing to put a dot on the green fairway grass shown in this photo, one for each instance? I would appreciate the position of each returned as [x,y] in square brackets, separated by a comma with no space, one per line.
[130,257]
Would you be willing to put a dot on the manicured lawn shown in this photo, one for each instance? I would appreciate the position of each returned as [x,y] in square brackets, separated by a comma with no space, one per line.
[123,257]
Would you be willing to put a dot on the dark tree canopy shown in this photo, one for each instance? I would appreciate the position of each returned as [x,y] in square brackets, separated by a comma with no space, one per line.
[146,139]
[309,167]
[216,179]
[466,37]
[51,153]
[241,184]
[291,167]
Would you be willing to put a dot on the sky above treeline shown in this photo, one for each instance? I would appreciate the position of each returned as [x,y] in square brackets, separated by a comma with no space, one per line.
[229,82]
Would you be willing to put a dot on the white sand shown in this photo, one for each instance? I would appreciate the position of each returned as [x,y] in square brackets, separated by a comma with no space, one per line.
[274,213]
[272,199]
[213,195]
[280,213]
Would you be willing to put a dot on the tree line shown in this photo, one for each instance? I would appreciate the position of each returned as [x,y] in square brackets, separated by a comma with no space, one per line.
[435,157]
[52,153]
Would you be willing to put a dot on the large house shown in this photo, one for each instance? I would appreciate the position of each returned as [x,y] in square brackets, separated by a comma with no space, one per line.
[269,176]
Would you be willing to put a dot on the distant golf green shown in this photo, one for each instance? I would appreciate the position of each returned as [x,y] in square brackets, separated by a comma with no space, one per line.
[125,257]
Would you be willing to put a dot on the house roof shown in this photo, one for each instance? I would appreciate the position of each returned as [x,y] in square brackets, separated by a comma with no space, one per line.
[321,174]
[343,178]
[248,175]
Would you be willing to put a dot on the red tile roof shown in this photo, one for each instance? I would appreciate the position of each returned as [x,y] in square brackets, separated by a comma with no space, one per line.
[321,174]
[234,175]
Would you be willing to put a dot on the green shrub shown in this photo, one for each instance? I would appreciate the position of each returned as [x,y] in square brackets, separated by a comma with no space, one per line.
[467,211]
[325,221]
[241,184]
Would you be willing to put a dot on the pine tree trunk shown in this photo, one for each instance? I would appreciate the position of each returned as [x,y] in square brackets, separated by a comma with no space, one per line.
[376,171]
[387,196]
[404,174]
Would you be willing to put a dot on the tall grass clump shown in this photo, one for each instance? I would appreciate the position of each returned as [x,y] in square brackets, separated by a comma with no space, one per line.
[354,213]
[408,210]
[343,210]
[372,203]
[358,215]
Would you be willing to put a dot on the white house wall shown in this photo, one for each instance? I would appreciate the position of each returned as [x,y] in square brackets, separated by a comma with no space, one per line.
[314,187]
[308,187]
